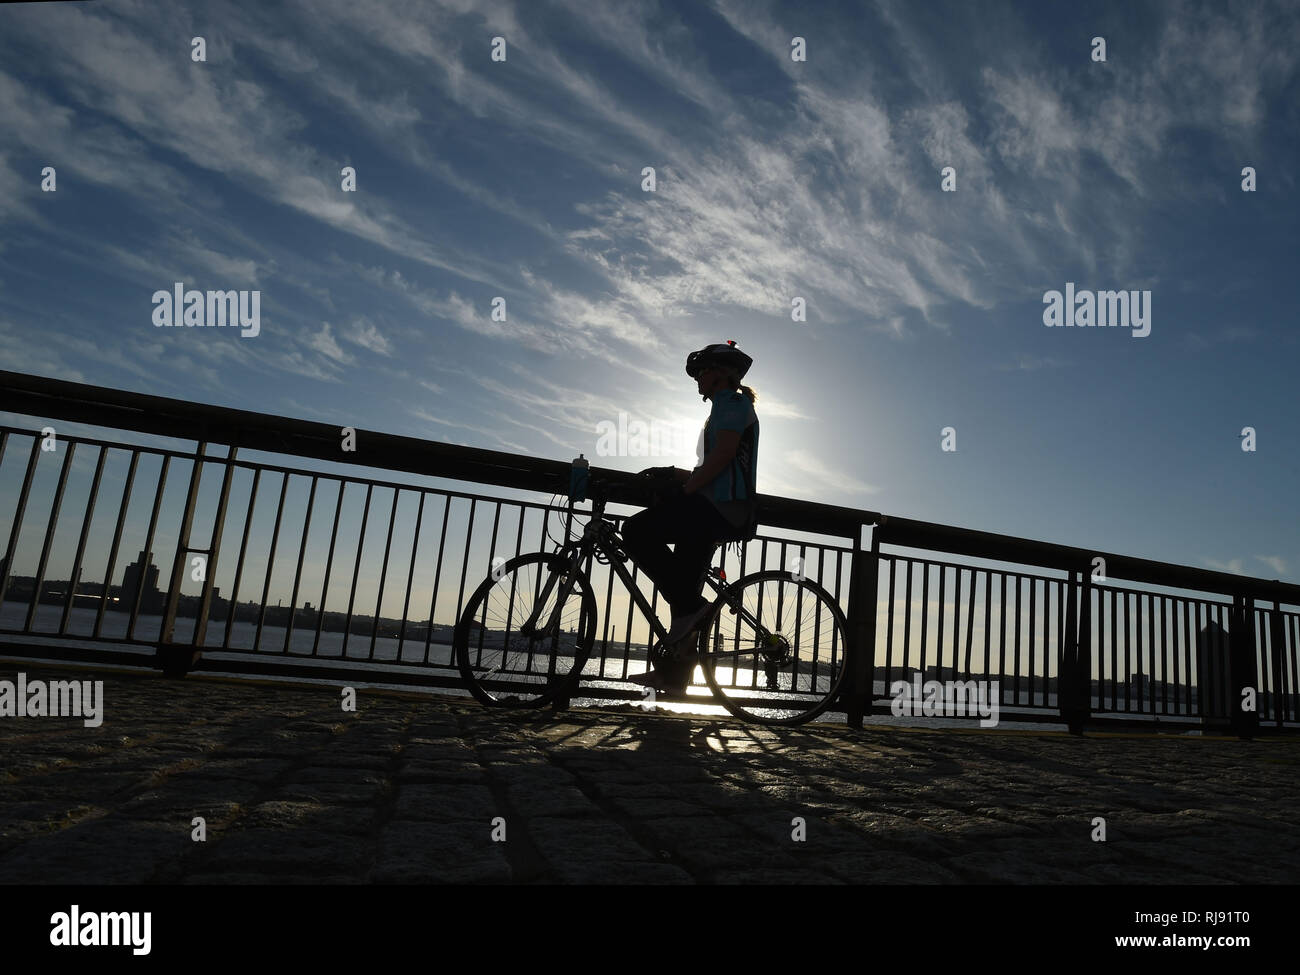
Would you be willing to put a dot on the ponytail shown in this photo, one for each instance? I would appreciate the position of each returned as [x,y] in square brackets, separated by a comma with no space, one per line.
[733,380]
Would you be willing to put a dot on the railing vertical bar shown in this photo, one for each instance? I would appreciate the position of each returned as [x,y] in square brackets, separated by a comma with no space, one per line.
[297,572]
[1033,603]
[356,569]
[1097,646]
[1200,620]
[410,576]
[383,576]
[437,578]
[925,617]
[780,607]
[970,623]
[492,552]
[1151,653]
[464,566]
[889,629]
[938,637]
[147,558]
[988,623]
[1168,650]
[176,578]
[798,629]
[817,622]
[496,526]
[1101,645]
[1141,652]
[1277,651]
[1266,621]
[1015,696]
[214,551]
[1114,650]
[1196,709]
[270,562]
[604,635]
[1045,638]
[20,511]
[1002,639]
[329,565]
[239,564]
[837,651]
[1295,661]
[1128,661]
[1185,705]
[909,567]
[55,507]
[117,541]
[74,578]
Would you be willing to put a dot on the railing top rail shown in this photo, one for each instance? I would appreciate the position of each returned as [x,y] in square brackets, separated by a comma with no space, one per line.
[989,545]
[203,423]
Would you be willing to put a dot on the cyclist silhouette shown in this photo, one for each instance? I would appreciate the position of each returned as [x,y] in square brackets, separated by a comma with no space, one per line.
[712,504]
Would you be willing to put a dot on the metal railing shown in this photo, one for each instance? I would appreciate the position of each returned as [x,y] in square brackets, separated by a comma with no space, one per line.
[390,564]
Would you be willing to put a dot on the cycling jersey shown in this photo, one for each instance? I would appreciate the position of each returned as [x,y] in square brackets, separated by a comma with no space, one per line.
[734,491]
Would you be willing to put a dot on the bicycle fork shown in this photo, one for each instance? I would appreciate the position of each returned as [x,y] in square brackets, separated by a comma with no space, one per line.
[529,627]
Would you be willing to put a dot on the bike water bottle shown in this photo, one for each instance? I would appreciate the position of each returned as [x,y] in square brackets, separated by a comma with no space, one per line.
[578,479]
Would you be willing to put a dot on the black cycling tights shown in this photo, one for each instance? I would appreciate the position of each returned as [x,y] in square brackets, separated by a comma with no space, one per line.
[694,526]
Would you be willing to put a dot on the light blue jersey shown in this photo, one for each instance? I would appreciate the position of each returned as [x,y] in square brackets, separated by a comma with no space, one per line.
[734,490]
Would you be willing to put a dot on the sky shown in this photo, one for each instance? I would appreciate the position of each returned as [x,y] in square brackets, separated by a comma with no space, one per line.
[776,179]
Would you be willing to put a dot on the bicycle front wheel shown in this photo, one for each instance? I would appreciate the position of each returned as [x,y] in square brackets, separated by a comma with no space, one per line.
[526,632]
[774,648]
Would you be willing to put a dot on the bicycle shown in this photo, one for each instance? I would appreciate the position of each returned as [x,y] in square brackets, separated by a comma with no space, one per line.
[513,653]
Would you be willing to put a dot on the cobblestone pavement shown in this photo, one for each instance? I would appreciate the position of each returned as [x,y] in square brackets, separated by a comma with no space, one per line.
[407,788]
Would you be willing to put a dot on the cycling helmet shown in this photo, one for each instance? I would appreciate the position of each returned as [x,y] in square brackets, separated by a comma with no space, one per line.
[727,356]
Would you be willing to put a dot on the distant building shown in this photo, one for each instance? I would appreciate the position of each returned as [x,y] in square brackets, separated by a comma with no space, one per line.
[151,599]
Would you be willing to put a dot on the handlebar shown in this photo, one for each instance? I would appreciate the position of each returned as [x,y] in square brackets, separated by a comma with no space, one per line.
[645,488]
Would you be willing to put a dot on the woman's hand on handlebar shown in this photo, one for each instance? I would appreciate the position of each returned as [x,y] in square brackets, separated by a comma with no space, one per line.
[674,474]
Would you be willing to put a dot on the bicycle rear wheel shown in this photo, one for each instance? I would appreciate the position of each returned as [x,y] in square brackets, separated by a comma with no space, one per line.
[781,660]
[516,644]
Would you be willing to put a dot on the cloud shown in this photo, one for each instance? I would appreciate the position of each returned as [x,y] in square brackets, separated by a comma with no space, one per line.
[1274,562]
[324,343]
[299,364]
[216,120]
[818,480]
[21,354]
[489,436]
[1232,334]
[13,190]
[775,408]
[1029,363]
[367,335]
[1233,566]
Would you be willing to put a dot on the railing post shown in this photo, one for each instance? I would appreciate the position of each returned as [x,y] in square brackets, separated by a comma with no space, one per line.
[861,652]
[175,660]
[214,548]
[1074,669]
[1241,667]
[1277,640]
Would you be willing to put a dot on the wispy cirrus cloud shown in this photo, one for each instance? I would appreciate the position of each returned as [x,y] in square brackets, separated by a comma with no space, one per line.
[1274,562]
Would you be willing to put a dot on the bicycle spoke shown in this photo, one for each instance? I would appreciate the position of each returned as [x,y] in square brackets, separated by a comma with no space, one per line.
[778,659]
[503,663]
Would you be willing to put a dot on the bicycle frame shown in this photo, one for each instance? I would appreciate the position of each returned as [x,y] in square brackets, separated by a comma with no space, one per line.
[601,535]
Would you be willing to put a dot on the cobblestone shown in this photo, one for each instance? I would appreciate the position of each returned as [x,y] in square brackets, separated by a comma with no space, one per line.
[411,788]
